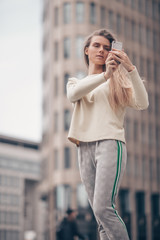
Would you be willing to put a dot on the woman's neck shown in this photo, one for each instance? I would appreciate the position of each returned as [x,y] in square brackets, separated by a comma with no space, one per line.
[95,69]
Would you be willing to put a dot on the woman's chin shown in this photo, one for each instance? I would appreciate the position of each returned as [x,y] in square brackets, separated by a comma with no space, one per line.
[99,62]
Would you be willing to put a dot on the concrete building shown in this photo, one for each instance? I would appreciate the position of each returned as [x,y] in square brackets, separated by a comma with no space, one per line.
[136,23]
[19,177]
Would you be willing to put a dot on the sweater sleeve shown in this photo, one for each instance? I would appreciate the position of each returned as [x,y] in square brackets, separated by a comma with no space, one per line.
[139,100]
[76,89]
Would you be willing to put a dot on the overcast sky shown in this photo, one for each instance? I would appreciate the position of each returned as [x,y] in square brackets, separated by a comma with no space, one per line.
[20,68]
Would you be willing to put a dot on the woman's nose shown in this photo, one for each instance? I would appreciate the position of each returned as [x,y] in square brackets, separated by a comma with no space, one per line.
[101,49]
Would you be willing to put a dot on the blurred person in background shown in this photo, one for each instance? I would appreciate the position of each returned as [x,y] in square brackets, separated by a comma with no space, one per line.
[100,101]
[68,228]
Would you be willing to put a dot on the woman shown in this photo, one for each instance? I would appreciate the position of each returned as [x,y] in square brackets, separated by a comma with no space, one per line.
[100,101]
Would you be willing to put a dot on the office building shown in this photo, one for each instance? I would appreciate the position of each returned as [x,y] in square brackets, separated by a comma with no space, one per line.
[136,23]
[19,177]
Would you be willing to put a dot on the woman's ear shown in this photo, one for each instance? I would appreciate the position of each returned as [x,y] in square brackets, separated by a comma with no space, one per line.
[86,51]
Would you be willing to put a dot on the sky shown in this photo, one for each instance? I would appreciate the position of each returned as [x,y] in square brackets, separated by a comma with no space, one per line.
[21,69]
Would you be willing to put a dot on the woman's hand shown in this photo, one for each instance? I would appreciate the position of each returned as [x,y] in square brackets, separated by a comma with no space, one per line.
[122,58]
[111,66]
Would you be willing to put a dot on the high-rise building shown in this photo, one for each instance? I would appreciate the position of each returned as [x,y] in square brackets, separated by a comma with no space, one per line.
[19,177]
[136,23]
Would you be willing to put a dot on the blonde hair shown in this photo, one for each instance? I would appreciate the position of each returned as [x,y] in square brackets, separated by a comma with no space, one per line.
[120,90]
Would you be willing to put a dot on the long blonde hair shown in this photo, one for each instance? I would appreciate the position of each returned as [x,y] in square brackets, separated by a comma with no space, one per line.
[120,91]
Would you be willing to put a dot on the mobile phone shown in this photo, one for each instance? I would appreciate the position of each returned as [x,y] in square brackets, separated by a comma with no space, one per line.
[117,45]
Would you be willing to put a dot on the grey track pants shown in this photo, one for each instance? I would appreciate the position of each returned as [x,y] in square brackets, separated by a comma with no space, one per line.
[102,164]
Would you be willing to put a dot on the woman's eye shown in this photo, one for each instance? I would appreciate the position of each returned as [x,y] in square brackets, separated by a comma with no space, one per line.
[108,49]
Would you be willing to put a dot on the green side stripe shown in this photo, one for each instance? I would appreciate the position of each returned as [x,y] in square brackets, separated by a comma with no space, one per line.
[120,163]
[118,172]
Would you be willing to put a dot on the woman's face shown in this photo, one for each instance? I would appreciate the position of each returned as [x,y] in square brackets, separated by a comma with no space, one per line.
[98,50]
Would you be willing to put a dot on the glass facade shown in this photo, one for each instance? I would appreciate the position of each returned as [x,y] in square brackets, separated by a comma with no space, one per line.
[56,122]
[19,165]
[63,197]
[79,46]
[67,47]
[80,12]
[66,76]
[66,13]
[67,119]
[103,16]
[9,235]
[92,13]
[67,157]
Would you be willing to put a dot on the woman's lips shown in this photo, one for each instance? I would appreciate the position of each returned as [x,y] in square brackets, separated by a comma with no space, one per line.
[99,56]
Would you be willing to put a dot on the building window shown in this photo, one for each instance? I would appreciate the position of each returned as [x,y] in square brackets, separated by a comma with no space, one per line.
[56,86]
[9,199]
[149,72]
[79,46]
[150,131]
[66,77]
[144,167]
[136,165]
[56,16]
[67,159]
[140,204]
[140,33]
[119,24]
[134,32]
[128,165]
[133,3]
[110,19]
[155,41]
[9,234]
[155,9]
[150,108]
[157,110]
[79,12]
[92,13]
[9,181]
[151,162]
[140,5]
[56,122]
[135,130]
[56,51]
[67,119]
[63,197]
[127,27]
[142,62]
[103,16]
[149,37]
[155,205]
[9,218]
[124,201]
[56,159]
[82,200]
[143,133]
[134,59]
[67,13]
[67,47]
[158,166]
[128,129]
[155,69]
[147,7]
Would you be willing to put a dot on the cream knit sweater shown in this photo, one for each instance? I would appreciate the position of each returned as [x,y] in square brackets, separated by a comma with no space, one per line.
[93,118]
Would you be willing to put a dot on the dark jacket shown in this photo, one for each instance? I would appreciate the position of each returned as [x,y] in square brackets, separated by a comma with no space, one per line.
[68,230]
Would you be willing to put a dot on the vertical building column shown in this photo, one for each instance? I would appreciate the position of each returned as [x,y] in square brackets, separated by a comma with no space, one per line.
[148,215]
